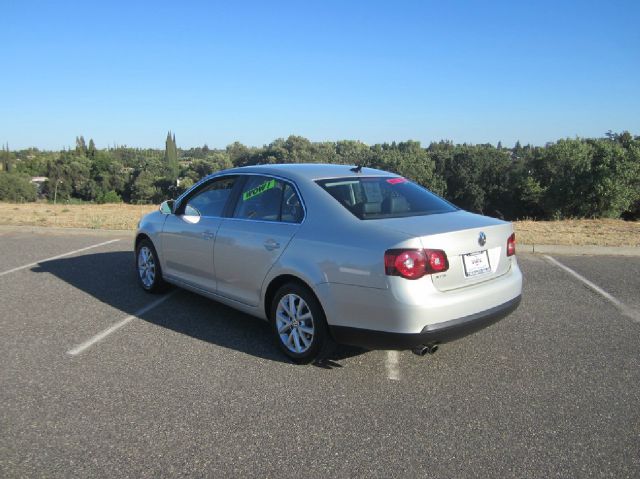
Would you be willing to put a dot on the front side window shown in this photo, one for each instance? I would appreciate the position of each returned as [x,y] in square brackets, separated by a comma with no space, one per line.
[268,199]
[384,197]
[211,199]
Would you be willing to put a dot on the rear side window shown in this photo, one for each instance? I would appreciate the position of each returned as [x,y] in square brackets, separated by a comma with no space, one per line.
[384,197]
[268,199]
[291,207]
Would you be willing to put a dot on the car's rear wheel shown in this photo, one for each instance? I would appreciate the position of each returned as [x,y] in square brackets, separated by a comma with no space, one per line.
[299,324]
[148,267]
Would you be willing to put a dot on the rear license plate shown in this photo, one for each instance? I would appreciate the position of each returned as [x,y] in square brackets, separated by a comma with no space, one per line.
[476,263]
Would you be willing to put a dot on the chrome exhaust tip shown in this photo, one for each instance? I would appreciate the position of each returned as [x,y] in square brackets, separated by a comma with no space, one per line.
[420,350]
[425,349]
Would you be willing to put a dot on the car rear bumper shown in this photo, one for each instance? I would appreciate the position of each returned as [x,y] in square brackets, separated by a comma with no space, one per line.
[431,334]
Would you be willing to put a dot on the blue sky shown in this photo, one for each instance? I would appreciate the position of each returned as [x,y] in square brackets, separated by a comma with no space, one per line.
[468,71]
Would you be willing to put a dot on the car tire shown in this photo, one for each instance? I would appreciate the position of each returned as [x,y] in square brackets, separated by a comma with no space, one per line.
[299,324]
[148,270]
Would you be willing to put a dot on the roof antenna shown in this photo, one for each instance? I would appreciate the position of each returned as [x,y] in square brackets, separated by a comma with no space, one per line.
[357,169]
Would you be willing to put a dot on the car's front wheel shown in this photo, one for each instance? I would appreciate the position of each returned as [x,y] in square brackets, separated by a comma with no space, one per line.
[299,324]
[148,267]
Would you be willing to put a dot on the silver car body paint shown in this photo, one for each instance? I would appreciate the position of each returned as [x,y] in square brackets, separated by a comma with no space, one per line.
[337,255]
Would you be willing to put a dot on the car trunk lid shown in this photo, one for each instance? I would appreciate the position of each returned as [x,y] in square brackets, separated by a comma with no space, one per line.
[458,234]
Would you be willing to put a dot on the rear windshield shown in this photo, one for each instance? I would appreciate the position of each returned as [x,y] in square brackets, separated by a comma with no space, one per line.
[384,197]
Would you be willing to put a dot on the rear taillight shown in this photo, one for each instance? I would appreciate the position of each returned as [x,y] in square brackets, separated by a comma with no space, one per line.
[410,264]
[414,263]
[511,245]
[438,261]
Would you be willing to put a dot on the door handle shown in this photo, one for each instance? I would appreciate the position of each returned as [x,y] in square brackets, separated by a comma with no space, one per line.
[271,245]
[207,236]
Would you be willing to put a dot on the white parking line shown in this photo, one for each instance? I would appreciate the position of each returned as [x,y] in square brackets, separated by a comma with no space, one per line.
[100,336]
[393,369]
[13,270]
[624,309]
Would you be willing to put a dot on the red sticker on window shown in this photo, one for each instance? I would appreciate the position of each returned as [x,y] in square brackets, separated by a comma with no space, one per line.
[395,181]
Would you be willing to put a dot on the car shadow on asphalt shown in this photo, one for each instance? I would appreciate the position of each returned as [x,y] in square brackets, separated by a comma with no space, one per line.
[110,278]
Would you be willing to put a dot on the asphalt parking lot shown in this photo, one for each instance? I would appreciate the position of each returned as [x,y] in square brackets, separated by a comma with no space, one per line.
[188,387]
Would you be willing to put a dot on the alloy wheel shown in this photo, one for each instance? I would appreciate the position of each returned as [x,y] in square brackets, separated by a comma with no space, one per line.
[294,323]
[146,267]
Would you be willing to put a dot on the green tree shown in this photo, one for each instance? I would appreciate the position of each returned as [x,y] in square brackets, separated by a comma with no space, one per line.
[442,155]
[16,187]
[109,197]
[464,185]
[496,181]
[560,170]
[407,159]
[517,148]
[239,154]
[144,188]
[91,151]
[81,147]
[350,152]
[6,160]
[108,173]
[298,150]
[172,168]
[58,186]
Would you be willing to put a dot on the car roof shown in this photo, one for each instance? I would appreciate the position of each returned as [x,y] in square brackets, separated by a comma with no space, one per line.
[308,171]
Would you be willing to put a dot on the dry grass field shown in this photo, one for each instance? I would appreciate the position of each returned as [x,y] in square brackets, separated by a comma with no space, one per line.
[603,232]
[111,216]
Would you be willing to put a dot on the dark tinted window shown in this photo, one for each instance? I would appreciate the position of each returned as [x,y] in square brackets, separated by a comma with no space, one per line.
[291,207]
[384,197]
[268,199]
[211,199]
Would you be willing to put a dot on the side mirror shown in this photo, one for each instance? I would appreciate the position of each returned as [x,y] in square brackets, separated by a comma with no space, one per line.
[166,208]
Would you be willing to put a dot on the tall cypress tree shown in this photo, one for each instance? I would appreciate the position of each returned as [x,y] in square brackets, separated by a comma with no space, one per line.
[92,149]
[6,162]
[171,157]
[81,146]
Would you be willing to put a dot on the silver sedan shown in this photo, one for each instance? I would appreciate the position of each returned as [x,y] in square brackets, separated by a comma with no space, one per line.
[332,253]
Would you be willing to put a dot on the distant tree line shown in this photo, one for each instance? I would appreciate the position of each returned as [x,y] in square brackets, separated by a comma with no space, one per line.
[570,178]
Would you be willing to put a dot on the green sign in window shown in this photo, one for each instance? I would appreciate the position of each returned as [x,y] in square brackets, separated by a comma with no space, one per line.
[258,190]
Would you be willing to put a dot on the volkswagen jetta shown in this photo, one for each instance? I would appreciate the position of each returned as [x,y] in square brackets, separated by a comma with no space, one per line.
[333,253]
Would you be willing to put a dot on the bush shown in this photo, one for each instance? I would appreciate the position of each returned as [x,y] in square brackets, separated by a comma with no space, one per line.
[17,187]
[109,197]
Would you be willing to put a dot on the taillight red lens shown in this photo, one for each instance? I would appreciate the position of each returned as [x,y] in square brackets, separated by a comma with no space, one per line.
[410,264]
[437,260]
[414,264]
[511,245]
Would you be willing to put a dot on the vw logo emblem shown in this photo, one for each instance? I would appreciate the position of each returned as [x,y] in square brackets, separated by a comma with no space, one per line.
[482,239]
